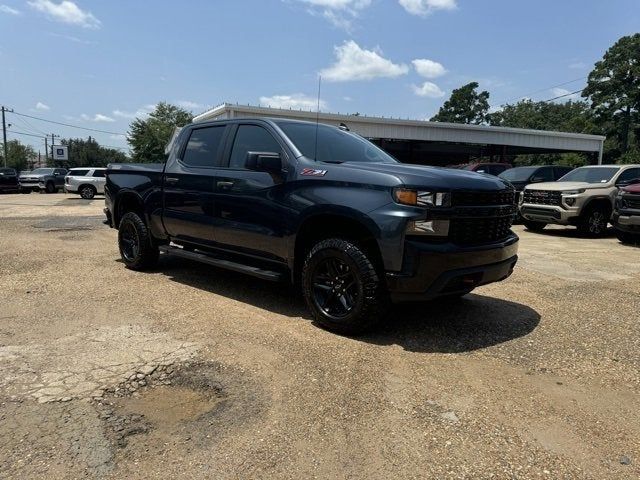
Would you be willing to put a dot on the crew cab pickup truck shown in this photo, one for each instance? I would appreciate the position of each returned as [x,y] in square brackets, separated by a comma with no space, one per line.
[626,214]
[320,207]
[49,180]
[584,198]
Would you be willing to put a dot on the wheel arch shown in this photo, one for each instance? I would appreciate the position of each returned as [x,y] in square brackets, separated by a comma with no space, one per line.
[127,201]
[599,201]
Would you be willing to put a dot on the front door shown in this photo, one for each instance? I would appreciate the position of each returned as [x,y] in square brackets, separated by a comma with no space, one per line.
[188,214]
[251,215]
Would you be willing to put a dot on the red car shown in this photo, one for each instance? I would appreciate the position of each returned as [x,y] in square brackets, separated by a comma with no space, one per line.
[626,215]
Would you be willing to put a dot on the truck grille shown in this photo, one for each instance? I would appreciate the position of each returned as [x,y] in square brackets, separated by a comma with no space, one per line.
[470,231]
[542,197]
[631,201]
[472,198]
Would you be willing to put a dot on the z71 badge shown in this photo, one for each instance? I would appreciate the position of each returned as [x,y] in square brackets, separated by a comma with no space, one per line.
[313,172]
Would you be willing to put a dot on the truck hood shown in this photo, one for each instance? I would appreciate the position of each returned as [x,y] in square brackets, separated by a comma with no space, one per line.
[561,186]
[432,177]
[28,176]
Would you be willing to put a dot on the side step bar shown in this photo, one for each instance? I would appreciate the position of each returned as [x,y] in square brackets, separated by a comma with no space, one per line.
[221,263]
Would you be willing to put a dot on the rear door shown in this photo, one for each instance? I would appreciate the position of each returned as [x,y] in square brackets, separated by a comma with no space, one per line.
[251,218]
[188,186]
[98,179]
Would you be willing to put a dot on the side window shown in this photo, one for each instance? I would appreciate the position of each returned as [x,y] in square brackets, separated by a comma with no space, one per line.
[78,173]
[251,138]
[497,169]
[98,173]
[545,173]
[560,172]
[202,147]
[59,171]
[629,175]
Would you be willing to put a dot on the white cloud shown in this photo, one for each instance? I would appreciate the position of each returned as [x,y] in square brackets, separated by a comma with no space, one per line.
[428,89]
[578,65]
[355,63]
[189,105]
[66,12]
[428,68]
[140,112]
[339,12]
[564,93]
[9,10]
[42,106]
[426,7]
[297,101]
[98,117]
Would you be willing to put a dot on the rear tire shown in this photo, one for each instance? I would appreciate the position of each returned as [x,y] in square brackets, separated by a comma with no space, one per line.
[137,248]
[87,192]
[593,222]
[343,290]
[534,226]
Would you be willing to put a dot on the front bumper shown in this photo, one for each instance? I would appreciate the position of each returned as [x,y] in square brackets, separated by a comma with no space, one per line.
[31,185]
[433,270]
[627,221]
[549,213]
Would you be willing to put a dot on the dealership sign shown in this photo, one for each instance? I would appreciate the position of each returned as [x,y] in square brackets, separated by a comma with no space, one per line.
[60,152]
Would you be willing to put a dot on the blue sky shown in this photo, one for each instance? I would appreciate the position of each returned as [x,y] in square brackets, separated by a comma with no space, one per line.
[97,64]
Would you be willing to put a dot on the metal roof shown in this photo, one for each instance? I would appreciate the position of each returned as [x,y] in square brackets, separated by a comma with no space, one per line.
[421,130]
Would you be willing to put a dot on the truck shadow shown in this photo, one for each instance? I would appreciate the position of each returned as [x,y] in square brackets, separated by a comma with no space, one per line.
[570,232]
[454,326]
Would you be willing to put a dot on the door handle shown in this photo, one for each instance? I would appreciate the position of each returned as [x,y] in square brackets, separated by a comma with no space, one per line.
[224,185]
[171,180]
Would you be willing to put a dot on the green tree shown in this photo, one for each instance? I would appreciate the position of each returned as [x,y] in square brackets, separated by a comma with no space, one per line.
[89,153]
[148,137]
[465,105]
[613,87]
[19,155]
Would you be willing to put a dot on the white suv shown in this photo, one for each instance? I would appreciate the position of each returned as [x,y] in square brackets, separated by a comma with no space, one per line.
[87,181]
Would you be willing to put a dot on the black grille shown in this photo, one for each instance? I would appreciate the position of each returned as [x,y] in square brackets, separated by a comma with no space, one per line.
[470,231]
[472,198]
[631,201]
[542,197]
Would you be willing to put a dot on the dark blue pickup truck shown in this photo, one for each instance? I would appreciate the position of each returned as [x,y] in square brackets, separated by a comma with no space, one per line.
[318,206]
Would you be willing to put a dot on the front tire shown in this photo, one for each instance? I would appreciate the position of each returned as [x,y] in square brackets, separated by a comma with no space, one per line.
[87,192]
[534,226]
[50,187]
[627,237]
[137,248]
[594,221]
[342,289]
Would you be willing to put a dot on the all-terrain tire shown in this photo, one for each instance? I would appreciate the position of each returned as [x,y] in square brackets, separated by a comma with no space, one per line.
[343,290]
[137,248]
[87,192]
[50,187]
[534,226]
[594,220]
[627,237]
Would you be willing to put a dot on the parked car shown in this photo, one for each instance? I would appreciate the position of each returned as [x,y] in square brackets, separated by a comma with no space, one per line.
[50,180]
[9,180]
[626,214]
[490,168]
[87,182]
[584,198]
[320,207]
[520,177]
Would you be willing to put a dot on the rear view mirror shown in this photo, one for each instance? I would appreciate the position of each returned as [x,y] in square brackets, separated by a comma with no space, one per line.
[264,162]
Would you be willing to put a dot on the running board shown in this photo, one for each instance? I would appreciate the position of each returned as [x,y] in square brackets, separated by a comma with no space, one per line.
[222,263]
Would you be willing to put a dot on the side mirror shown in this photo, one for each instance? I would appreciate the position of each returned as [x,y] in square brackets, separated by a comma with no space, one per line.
[537,179]
[264,162]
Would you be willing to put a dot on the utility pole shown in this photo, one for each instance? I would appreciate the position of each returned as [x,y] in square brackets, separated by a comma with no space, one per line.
[52,142]
[46,149]
[4,135]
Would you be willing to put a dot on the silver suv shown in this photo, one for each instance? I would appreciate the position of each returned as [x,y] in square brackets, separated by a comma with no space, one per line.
[87,181]
[584,198]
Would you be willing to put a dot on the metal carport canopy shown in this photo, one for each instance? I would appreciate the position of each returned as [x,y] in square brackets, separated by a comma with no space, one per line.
[419,130]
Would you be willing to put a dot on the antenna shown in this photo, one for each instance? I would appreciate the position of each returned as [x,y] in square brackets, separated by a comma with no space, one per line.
[315,147]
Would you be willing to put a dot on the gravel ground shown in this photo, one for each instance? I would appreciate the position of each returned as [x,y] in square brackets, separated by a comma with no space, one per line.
[197,372]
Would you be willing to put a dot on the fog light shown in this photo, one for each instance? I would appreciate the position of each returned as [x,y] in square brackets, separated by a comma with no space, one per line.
[570,201]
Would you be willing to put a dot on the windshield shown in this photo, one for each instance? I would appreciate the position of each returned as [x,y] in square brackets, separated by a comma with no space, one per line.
[520,174]
[590,174]
[42,171]
[333,144]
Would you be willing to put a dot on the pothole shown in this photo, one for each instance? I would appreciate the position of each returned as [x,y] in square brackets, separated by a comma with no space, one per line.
[166,402]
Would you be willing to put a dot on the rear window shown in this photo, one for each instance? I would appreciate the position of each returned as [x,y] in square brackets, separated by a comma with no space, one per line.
[98,173]
[78,173]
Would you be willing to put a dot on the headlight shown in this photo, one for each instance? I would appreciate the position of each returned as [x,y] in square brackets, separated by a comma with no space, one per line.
[406,196]
[573,192]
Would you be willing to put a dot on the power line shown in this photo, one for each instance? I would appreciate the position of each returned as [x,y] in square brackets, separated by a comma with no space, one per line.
[503,102]
[564,95]
[24,133]
[69,125]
